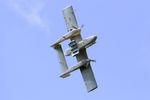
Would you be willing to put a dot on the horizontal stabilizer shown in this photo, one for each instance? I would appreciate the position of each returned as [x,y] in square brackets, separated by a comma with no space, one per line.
[61,59]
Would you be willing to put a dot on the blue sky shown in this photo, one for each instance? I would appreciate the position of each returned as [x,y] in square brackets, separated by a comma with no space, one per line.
[28,66]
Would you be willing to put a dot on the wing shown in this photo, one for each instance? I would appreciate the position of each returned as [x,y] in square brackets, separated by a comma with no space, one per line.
[86,72]
[70,19]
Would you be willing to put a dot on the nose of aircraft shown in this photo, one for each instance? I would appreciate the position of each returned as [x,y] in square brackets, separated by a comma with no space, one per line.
[94,37]
[91,38]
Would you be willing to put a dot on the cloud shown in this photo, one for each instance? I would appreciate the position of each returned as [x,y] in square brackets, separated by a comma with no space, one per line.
[30,10]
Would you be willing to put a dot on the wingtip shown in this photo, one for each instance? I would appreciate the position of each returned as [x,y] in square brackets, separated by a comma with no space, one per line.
[92,89]
[69,6]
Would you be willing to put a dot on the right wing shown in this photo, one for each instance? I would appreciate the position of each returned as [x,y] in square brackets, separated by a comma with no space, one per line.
[87,72]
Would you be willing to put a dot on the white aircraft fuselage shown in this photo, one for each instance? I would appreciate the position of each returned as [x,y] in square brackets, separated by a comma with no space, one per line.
[85,43]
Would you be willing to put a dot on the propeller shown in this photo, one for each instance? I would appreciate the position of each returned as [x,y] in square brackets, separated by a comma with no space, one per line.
[74,27]
[89,62]
[93,60]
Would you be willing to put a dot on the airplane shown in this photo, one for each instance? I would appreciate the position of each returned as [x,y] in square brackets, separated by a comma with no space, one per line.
[77,48]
